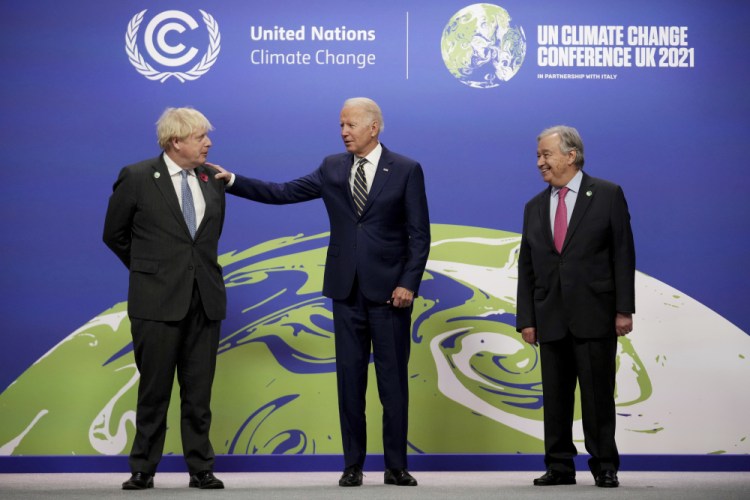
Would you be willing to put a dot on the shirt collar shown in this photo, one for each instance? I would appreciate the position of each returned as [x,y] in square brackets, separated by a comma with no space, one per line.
[174,168]
[574,184]
[373,157]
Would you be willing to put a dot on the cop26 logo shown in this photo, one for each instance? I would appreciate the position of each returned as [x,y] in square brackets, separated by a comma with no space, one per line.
[159,41]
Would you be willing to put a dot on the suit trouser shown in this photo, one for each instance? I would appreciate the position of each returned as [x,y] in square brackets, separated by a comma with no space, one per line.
[358,324]
[592,363]
[188,346]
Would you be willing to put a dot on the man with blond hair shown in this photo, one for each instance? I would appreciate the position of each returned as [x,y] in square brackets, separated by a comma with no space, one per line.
[163,222]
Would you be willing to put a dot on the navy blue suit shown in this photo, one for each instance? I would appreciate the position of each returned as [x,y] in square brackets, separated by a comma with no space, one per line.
[368,257]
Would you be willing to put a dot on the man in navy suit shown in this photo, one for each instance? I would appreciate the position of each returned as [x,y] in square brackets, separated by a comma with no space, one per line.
[379,243]
[176,297]
[576,295]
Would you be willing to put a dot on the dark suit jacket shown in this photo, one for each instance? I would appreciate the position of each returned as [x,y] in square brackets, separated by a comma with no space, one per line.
[386,247]
[582,288]
[145,228]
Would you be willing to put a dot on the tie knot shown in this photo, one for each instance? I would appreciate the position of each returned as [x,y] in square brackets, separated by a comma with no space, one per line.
[563,192]
[184,174]
[361,162]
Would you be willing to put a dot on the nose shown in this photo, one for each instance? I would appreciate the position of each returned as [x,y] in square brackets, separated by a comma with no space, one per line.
[208,142]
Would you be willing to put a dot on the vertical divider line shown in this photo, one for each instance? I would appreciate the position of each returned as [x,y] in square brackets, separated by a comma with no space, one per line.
[407,44]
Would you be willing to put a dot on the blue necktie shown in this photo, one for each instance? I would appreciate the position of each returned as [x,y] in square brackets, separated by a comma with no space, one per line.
[188,209]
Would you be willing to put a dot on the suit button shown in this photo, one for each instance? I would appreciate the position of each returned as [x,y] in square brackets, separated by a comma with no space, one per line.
[190,268]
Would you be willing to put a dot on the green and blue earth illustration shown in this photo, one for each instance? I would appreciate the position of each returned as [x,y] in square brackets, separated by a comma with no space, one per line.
[481,48]
[474,385]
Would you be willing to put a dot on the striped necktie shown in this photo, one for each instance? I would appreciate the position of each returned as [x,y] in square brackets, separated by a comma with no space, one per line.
[359,191]
[188,209]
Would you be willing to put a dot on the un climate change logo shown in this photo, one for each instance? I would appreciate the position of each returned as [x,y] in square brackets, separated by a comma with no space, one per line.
[159,49]
[480,47]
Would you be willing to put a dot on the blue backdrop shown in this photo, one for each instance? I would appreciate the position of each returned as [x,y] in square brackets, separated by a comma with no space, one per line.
[74,109]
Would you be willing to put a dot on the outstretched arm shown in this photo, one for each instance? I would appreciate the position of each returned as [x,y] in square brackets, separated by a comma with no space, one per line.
[303,189]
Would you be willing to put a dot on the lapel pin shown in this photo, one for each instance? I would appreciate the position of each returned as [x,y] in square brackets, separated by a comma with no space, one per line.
[157,175]
[385,170]
[589,193]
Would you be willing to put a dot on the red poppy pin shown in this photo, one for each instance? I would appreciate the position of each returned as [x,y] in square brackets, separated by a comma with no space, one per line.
[204,177]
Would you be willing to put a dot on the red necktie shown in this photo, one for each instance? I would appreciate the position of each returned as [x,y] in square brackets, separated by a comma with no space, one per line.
[561,219]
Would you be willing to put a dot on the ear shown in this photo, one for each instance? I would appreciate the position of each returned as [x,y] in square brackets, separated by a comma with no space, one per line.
[572,156]
[374,129]
[175,142]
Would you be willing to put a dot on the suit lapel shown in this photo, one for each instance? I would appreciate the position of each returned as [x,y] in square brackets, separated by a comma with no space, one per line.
[164,182]
[544,216]
[382,174]
[207,196]
[583,200]
[344,172]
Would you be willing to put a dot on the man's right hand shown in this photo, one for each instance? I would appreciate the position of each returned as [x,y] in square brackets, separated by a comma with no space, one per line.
[529,335]
[223,174]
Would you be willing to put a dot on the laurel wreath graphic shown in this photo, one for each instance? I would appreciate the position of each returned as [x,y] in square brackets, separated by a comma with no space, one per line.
[144,68]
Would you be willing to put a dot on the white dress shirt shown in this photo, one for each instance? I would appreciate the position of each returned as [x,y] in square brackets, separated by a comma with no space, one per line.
[198,202]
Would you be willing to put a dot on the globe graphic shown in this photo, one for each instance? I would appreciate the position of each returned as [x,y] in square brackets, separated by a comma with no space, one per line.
[481,48]
[475,387]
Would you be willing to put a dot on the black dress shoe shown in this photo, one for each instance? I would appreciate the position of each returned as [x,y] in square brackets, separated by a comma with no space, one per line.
[399,477]
[139,481]
[205,480]
[607,479]
[352,476]
[554,478]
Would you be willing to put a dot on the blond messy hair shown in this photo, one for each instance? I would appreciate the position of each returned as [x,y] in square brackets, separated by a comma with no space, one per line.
[180,123]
